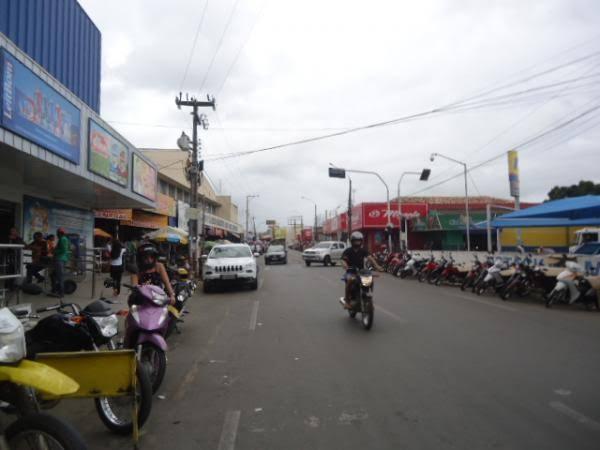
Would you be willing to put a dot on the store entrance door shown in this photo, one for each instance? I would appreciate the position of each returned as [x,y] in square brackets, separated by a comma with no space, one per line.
[7,219]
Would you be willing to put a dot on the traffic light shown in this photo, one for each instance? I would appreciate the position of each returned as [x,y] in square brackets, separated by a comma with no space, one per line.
[425,174]
[335,172]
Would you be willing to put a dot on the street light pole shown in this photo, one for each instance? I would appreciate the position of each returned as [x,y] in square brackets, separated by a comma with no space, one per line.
[400,212]
[315,228]
[468,225]
[248,197]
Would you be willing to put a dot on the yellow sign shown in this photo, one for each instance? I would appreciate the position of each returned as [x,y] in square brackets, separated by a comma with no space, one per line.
[513,173]
[280,233]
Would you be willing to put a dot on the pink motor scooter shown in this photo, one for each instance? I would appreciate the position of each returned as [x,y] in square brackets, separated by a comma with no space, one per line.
[145,328]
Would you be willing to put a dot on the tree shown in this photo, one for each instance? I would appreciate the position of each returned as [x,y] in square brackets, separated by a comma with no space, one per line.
[576,190]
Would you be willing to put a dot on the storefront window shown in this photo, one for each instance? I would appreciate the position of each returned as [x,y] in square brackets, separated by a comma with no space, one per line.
[164,189]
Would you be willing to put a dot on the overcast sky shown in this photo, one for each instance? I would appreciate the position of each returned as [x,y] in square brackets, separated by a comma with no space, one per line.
[312,67]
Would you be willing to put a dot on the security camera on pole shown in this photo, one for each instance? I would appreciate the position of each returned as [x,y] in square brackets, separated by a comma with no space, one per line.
[194,168]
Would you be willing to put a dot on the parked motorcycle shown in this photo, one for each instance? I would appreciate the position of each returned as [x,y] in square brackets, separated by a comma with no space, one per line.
[437,272]
[493,279]
[412,267]
[483,272]
[71,329]
[19,380]
[146,327]
[428,268]
[362,297]
[472,274]
[451,274]
[522,281]
[561,293]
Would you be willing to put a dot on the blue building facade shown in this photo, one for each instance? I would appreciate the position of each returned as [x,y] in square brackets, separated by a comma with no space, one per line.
[60,37]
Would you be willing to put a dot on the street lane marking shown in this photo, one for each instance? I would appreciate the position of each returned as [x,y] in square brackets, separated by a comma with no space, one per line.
[389,313]
[484,302]
[229,433]
[575,415]
[253,316]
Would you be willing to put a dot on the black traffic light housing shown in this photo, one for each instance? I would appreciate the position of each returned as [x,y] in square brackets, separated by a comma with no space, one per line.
[335,172]
[425,175]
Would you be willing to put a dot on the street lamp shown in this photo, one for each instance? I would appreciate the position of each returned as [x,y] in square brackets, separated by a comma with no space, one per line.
[338,172]
[315,203]
[432,157]
[423,176]
[248,197]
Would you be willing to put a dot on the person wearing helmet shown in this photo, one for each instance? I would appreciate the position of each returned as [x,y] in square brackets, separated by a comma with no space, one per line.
[151,271]
[354,258]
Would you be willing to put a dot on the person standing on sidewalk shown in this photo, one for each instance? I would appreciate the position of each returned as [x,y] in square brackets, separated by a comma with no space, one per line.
[39,256]
[116,265]
[62,254]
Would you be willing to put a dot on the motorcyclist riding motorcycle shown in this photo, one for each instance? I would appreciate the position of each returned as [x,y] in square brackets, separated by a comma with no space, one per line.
[354,258]
[150,271]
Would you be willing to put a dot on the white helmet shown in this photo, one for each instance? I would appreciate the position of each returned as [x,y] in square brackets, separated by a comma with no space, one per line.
[356,236]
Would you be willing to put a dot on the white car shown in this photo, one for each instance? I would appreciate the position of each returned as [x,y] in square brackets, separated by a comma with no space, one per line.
[230,264]
[328,252]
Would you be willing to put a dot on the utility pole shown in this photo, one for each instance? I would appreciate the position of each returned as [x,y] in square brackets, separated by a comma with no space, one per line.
[195,168]
[349,209]
[248,197]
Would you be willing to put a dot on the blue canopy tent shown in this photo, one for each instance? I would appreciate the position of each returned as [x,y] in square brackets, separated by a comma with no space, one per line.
[568,212]
[574,211]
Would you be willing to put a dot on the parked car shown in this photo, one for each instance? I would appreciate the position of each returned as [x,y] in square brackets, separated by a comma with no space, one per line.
[276,253]
[229,264]
[327,253]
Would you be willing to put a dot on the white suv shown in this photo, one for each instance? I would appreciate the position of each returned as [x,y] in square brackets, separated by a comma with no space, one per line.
[230,264]
[328,252]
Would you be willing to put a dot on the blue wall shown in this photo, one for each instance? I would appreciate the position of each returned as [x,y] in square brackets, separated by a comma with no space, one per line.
[60,36]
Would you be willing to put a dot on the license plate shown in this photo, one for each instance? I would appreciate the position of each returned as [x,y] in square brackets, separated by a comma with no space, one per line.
[228,277]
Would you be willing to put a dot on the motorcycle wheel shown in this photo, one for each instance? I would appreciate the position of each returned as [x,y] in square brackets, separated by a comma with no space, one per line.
[438,281]
[115,412]
[552,298]
[465,284]
[402,274]
[368,318]
[481,288]
[432,278]
[33,428]
[507,293]
[155,360]
[422,277]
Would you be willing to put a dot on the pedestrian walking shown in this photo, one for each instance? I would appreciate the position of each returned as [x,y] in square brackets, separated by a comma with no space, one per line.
[62,254]
[39,257]
[117,252]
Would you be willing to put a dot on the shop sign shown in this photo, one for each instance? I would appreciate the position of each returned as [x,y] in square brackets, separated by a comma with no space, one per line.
[307,234]
[144,178]
[34,110]
[46,217]
[375,215]
[107,156]
[142,219]
[449,222]
[513,172]
[165,205]
[218,222]
[280,233]
[115,214]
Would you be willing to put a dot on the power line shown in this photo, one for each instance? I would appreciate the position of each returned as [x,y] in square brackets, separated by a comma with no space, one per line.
[187,66]
[212,61]
[239,52]
[520,147]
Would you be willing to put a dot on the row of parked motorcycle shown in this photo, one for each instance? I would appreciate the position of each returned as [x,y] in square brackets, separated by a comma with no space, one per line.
[67,327]
[567,284]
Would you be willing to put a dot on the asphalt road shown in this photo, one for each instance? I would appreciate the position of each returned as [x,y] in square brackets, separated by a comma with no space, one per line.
[284,367]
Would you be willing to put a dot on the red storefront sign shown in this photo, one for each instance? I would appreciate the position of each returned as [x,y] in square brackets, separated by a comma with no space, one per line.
[307,234]
[375,215]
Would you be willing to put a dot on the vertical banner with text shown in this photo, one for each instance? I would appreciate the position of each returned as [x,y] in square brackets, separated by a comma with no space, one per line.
[513,173]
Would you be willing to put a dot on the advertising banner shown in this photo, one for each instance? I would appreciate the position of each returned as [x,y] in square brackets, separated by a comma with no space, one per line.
[46,216]
[34,110]
[115,214]
[182,215]
[280,233]
[107,156]
[165,205]
[513,173]
[144,178]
